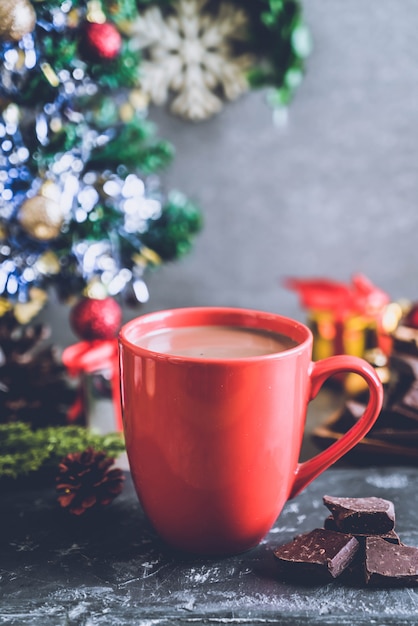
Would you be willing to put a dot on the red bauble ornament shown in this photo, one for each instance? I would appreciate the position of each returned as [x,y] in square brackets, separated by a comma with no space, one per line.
[96,319]
[102,41]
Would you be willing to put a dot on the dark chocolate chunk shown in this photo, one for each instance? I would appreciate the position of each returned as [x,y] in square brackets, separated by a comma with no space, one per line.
[387,564]
[368,516]
[320,554]
[390,536]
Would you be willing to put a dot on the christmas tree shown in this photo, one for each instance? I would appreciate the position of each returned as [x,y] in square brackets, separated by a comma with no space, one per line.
[81,204]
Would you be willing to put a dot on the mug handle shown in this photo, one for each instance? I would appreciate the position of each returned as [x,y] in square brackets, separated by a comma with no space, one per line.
[307,471]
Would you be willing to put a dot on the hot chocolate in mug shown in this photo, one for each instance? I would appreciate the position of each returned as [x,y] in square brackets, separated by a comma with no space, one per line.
[214,402]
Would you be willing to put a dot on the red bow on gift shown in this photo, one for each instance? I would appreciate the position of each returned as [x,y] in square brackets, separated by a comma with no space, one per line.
[92,356]
[361,297]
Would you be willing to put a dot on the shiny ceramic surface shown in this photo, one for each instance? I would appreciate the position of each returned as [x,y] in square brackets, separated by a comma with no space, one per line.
[213,445]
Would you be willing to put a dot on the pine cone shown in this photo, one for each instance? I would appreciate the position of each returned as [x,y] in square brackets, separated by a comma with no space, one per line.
[33,383]
[85,481]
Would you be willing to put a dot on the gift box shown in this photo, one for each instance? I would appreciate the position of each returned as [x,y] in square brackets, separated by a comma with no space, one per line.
[346,318]
[341,334]
[358,319]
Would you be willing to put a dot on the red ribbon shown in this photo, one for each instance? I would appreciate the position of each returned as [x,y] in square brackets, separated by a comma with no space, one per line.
[92,356]
[361,297]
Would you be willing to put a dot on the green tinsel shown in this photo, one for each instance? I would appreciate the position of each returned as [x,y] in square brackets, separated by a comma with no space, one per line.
[64,50]
[120,73]
[135,143]
[283,42]
[171,235]
[24,451]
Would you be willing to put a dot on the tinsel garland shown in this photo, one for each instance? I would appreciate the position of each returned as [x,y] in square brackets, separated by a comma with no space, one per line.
[79,161]
[283,41]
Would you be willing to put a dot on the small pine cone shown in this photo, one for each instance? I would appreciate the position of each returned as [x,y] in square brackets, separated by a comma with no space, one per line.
[85,480]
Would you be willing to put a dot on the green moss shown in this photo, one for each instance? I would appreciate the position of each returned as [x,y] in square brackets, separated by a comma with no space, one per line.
[24,451]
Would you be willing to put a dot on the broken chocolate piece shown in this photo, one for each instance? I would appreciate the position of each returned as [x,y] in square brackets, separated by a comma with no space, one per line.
[320,553]
[387,564]
[390,536]
[368,516]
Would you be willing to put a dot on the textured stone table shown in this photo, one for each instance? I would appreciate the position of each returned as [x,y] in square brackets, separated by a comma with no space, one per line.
[110,568]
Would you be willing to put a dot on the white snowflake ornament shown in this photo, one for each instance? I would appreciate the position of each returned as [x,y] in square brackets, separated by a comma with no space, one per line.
[191,52]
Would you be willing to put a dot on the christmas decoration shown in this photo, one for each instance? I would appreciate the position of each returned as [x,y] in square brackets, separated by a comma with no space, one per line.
[90,361]
[41,217]
[95,362]
[74,119]
[92,318]
[102,41]
[24,451]
[206,50]
[347,319]
[17,19]
[192,53]
[80,194]
[33,384]
[87,480]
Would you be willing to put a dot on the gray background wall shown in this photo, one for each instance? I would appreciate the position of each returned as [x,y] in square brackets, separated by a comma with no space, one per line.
[333,193]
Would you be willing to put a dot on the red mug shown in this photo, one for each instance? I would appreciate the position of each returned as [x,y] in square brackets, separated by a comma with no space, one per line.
[213,433]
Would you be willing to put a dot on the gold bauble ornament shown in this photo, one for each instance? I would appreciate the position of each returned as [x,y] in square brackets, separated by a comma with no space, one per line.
[41,217]
[17,19]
